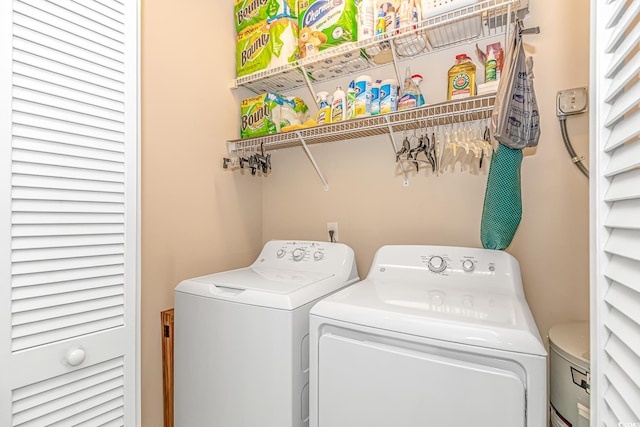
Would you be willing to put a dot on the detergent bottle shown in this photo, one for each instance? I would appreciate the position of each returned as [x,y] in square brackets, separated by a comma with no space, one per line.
[462,78]
[338,106]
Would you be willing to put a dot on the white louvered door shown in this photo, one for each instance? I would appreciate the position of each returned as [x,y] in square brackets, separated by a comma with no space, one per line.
[615,213]
[68,212]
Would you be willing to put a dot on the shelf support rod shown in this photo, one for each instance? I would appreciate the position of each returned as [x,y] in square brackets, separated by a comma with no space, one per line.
[307,80]
[395,62]
[405,181]
[313,161]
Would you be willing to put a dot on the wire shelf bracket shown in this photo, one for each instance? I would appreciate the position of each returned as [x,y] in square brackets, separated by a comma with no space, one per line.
[313,161]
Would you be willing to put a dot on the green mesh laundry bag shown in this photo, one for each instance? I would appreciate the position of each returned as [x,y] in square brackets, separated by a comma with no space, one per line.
[502,208]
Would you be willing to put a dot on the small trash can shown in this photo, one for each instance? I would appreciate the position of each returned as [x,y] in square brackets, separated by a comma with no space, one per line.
[569,374]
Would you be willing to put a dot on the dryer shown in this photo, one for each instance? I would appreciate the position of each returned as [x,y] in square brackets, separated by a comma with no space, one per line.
[434,336]
[241,349]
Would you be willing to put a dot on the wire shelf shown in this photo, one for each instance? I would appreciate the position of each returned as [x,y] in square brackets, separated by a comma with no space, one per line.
[450,112]
[483,19]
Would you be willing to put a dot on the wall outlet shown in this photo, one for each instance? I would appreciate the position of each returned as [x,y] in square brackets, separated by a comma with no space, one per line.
[332,226]
[572,101]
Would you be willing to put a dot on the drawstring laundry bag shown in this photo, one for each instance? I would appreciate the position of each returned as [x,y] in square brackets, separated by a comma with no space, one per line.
[515,125]
[502,210]
[515,119]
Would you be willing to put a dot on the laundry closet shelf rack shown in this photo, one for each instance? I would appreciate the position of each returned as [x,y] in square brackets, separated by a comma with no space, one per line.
[483,19]
[468,109]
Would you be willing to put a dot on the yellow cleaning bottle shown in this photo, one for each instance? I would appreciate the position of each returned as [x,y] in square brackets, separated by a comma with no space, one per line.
[462,78]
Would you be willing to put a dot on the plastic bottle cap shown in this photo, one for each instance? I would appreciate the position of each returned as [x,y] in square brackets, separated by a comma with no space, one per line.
[462,56]
[417,76]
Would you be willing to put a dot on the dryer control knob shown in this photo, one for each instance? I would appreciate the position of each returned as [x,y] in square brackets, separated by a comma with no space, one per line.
[298,254]
[468,265]
[280,253]
[318,256]
[437,264]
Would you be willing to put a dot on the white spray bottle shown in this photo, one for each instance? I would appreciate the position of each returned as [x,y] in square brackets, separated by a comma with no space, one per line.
[324,112]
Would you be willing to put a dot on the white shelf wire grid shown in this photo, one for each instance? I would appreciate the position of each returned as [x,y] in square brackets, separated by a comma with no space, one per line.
[442,114]
[483,19]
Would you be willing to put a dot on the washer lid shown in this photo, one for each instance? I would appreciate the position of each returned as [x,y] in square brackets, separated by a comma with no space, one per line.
[267,287]
[269,280]
[458,314]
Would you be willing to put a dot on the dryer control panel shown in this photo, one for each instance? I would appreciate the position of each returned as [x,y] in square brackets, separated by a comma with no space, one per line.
[449,266]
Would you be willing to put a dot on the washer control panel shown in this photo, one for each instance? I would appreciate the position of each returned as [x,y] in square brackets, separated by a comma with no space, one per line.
[289,254]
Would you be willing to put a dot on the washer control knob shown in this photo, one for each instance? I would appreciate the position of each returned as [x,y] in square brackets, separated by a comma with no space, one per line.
[437,264]
[280,253]
[318,256]
[468,265]
[298,254]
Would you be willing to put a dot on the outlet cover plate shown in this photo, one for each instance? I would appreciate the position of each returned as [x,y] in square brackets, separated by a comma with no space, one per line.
[572,101]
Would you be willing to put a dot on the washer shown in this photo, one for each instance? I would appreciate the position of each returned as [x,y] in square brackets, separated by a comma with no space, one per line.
[241,336]
[438,336]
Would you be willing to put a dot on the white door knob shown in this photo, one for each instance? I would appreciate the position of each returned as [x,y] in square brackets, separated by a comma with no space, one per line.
[76,356]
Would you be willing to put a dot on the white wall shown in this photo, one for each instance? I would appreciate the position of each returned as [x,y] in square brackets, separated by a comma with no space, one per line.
[196,217]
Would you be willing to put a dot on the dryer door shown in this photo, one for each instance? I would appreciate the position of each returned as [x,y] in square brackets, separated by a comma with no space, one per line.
[363,383]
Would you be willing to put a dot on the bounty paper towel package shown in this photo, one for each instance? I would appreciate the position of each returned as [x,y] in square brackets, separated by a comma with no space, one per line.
[251,12]
[268,44]
[268,113]
[325,23]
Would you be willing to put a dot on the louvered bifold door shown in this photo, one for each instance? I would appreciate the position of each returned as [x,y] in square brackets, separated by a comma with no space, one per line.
[68,220]
[615,191]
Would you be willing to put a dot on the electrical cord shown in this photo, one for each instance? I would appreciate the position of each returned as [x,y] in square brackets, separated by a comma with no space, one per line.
[567,143]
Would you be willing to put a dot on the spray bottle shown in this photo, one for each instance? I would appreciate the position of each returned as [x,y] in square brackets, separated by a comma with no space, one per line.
[351,101]
[324,104]
[491,67]
[410,92]
[417,79]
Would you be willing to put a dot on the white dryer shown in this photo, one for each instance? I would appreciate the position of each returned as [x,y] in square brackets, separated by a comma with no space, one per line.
[241,337]
[434,336]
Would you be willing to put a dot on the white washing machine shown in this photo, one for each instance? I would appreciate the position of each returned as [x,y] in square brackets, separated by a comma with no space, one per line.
[241,336]
[434,336]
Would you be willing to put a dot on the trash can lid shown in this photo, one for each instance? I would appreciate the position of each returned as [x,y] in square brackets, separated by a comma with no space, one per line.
[571,341]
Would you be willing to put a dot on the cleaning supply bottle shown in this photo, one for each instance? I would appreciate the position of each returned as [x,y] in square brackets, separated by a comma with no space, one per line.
[366,19]
[417,79]
[380,22]
[462,78]
[407,16]
[351,101]
[389,18]
[409,98]
[388,96]
[375,97]
[324,112]
[363,96]
[491,67]
[338,106]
